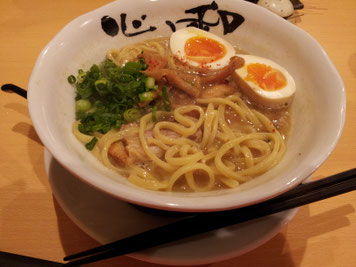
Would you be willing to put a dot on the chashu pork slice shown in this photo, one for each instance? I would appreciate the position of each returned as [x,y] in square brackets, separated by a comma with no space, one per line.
[129,150]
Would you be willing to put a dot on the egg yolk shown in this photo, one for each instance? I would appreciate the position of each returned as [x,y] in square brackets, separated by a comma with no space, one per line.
[204,50]
[265,76]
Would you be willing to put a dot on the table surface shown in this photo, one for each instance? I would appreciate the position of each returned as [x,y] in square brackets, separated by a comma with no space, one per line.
[31,221]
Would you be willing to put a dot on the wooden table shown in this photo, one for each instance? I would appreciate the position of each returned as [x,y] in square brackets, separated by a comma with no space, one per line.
[33,224]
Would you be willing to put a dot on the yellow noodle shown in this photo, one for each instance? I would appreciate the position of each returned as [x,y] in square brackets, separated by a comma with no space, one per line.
[189,168]
[248,156]
[157,142]
[132,52]
[182,160]
[236,107]
[145,179]
[189,176]
[214,128]
[229,182]
[209,116]
[249,114]
[143,122]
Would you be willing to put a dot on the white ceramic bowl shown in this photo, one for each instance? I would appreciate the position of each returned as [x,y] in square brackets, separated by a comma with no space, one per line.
[318,110]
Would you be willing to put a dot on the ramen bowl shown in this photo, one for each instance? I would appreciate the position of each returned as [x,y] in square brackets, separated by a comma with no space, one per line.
[318,108]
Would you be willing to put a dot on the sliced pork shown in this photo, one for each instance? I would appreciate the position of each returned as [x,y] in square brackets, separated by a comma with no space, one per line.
[129,150]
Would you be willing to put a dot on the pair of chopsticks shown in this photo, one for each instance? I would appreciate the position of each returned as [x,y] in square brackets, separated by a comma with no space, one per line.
[200,223]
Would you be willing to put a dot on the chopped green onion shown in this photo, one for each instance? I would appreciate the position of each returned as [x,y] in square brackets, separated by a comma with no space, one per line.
[132,68]
[146,96]
[165,96]
[101,86]
[131,114]
[124,78]
[150,82]
[81,75]
[71,79]
[141,60]
[167,102]
[82,105]
[108,95]
[91,144]
[166,107]
[94,68]
[100,82]
[118,124]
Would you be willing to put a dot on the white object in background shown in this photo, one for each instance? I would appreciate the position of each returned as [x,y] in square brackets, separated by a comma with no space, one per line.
[283,8]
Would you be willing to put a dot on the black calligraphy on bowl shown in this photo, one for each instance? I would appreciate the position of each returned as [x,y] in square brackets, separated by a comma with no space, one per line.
[229,20]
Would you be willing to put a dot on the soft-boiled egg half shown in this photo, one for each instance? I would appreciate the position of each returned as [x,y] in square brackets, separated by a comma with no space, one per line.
[265,82]
[201,49]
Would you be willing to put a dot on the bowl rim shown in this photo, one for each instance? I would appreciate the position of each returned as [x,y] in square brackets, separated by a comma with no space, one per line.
[169,202]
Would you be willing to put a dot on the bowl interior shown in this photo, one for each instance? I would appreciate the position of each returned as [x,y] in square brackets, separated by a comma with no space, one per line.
[318,109]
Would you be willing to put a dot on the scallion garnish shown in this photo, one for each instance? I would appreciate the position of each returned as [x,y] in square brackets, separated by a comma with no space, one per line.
[82,105]
[146,96]
[150,82]
[108,96]
[71,79]
[101,86]
[132,114]
[165,97]
[91,144]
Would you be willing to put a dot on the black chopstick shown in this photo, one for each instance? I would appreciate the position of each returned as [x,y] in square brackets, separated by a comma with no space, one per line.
[11,259]
[201,223]
[318,184]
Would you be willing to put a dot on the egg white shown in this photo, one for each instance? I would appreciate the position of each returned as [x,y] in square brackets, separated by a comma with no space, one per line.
[180,37]
[274,99]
